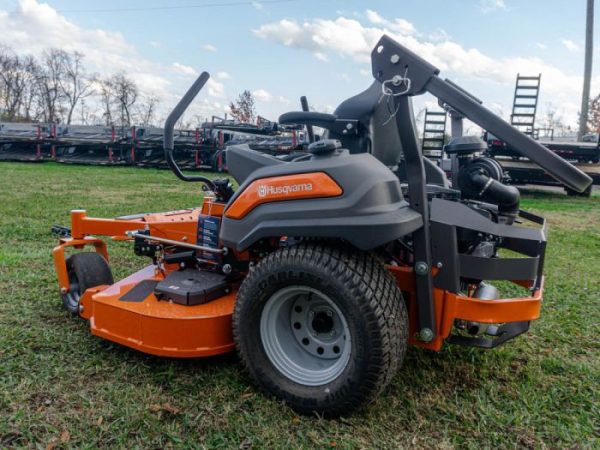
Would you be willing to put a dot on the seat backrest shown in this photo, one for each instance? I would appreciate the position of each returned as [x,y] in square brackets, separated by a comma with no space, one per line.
[377,131]
[242,161]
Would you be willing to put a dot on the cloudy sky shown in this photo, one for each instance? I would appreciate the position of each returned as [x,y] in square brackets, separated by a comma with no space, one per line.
[282,49]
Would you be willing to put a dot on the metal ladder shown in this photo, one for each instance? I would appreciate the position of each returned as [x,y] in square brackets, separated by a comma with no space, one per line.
[434,130]
[527,91]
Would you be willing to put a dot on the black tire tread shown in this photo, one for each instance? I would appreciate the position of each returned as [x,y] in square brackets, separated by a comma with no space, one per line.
[384,312]
[91,270]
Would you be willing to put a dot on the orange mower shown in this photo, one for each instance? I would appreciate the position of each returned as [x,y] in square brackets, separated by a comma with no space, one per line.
[321,269]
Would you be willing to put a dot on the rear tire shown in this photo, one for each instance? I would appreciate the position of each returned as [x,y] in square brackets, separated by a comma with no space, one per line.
[324,329]
[85,270]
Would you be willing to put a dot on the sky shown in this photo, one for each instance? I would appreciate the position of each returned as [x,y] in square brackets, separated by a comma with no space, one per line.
[282,49]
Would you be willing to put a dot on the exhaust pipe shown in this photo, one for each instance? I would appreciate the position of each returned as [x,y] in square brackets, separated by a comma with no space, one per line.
[483,292]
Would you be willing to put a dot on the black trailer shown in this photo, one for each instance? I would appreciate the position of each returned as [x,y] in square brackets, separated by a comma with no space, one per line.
[88,145]
[571,151]
[521,171]
[24,142]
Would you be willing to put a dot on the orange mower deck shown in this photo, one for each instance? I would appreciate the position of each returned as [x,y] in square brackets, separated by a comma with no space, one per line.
[159,327]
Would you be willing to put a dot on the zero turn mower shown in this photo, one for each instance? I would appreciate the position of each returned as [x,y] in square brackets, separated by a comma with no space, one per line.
[321,270]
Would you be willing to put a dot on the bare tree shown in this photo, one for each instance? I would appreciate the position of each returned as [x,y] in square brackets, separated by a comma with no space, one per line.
[74,83]
[125,94]
[14,81]
[594,115]
[49,79]
[147,110]
[30,109]
[106,91]
[243,108]
[587,71]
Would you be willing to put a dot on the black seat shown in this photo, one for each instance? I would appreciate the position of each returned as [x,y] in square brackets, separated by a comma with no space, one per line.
[377,131]
[242,161]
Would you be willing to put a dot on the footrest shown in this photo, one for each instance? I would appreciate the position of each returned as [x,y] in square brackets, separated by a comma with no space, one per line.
[191,287]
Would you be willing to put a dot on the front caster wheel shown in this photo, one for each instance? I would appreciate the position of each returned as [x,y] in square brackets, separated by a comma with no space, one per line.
[323,329]
[85,270]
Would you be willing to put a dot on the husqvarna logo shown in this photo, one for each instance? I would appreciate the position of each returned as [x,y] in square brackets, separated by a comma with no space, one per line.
[266,190]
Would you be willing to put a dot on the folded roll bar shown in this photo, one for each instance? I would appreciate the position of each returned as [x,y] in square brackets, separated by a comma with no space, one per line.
[394,64]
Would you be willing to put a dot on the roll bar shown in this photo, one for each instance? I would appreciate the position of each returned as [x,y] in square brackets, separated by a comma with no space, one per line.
[394,64]
[175,115]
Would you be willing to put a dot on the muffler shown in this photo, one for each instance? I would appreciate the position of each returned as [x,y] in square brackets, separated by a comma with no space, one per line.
[483,292]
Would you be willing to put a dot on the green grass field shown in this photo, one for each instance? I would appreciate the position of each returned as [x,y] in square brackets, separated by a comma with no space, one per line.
[60,387]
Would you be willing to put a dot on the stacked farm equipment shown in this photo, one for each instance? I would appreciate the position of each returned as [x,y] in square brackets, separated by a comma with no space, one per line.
[203,148]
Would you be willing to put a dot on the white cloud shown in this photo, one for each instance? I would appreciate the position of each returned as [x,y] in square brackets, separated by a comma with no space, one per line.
[349,38]
[34,27]
[215,89]
[257,5]
[487,6]
[321,56]
[184,70]
[374,17]
[398,25]
[209,48]
[570,45]
[155,44]
[541,46]
[222,76]
[439,35]
[262,95]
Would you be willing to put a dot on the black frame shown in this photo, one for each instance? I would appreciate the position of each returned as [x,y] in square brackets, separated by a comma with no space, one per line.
[403,74]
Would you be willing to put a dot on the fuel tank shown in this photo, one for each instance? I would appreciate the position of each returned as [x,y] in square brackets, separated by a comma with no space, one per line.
[351,197]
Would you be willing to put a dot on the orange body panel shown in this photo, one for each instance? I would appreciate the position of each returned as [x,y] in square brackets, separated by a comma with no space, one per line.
[288,187]
[212,208]
[177,225]
[450,307]
[159,327]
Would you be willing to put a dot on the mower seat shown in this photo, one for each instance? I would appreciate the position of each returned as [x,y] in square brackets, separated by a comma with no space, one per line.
[377,133]
[242,161]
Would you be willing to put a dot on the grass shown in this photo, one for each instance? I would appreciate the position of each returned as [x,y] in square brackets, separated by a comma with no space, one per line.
[60,387]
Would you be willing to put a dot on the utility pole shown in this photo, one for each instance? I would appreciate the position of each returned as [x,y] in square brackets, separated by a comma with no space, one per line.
[587,71]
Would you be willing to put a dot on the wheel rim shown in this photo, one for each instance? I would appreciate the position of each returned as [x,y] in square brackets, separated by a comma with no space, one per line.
[305,335]
[73,297]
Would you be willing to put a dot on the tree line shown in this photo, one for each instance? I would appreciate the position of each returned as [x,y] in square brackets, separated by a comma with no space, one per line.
[54,87]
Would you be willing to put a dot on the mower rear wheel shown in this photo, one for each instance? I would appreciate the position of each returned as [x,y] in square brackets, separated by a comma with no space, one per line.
[322,328]
[85,270]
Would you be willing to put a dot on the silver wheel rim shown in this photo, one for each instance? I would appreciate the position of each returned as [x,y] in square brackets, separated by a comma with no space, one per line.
[305,335]
[72,298]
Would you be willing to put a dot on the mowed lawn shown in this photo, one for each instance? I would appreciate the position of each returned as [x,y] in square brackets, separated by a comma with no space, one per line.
[60,387]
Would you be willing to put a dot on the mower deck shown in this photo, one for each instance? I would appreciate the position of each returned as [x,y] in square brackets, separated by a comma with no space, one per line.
[159,327]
